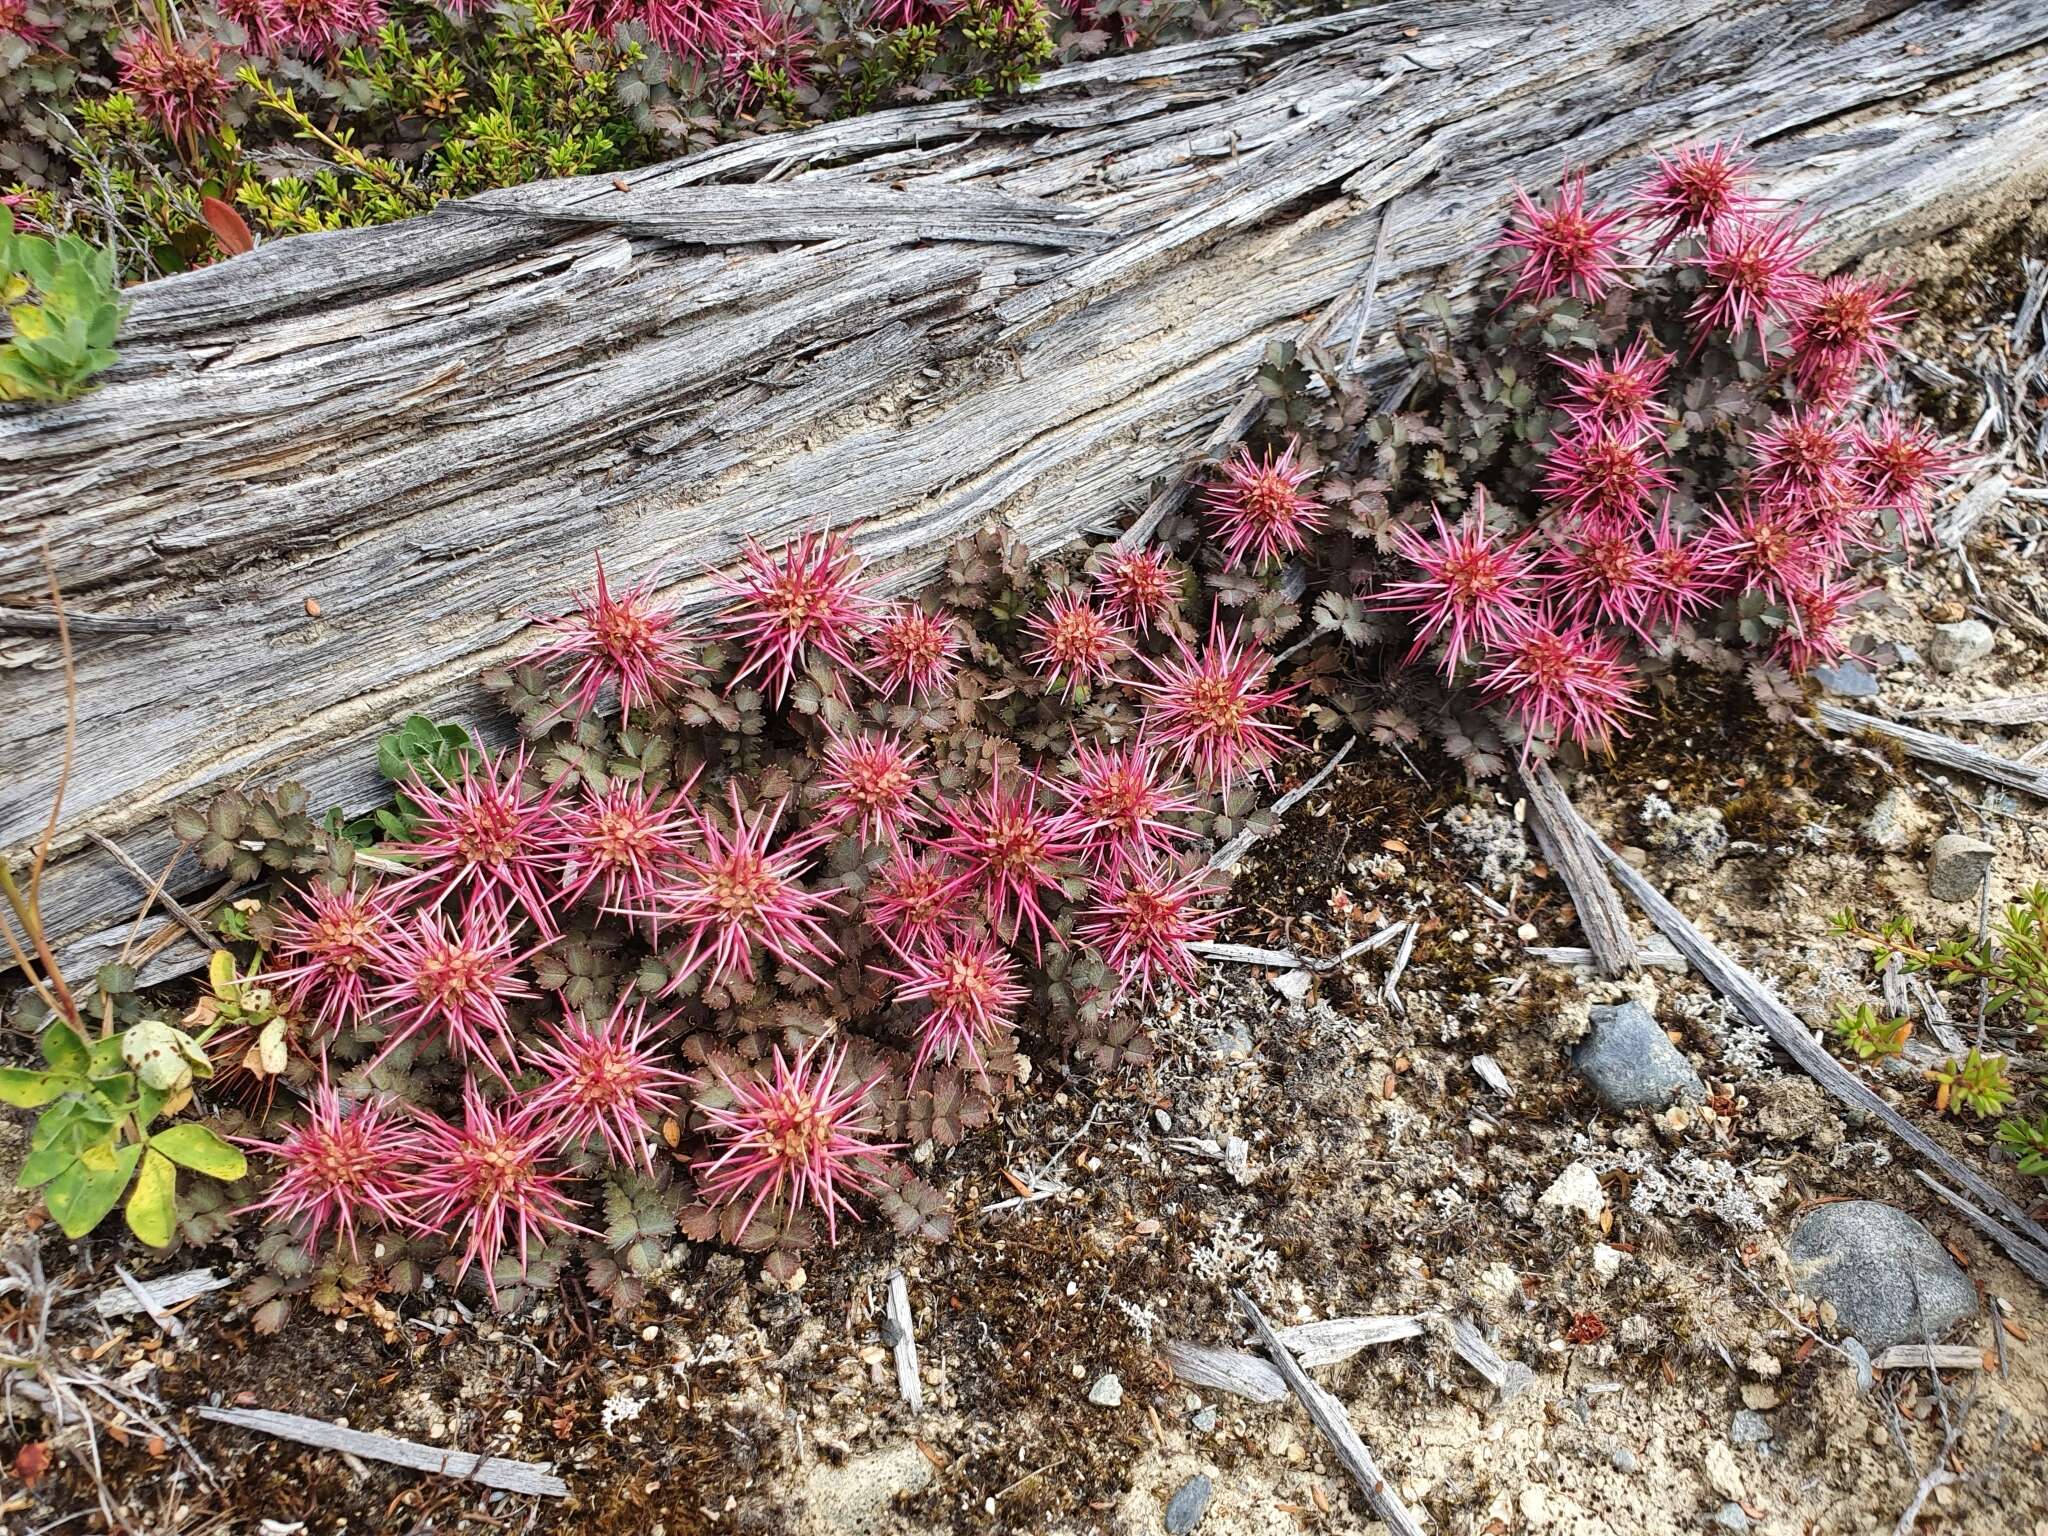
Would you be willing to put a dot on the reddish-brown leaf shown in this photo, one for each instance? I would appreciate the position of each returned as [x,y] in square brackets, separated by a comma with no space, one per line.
[228,226]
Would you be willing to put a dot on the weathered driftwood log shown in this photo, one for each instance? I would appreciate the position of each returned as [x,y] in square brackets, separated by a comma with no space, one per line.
[904,324]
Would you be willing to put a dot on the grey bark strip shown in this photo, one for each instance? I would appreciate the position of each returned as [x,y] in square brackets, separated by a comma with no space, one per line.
[2006,1224]
[423,425]
[1942,751]
[1329,1417]
[535,1477]
[1573,851]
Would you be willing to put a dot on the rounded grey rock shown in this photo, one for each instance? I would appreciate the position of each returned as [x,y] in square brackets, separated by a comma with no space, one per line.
[1108,1391]
[1889,1281]
[1624,1460]
[1956,647]
[1631,1063]
[1731,1517]
[1957,866]
[1205,1420]
[1189,1503]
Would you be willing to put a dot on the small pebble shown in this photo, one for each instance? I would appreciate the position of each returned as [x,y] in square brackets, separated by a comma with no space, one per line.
[1624,1460]
[1960,646]
[1749,1428]
[1189,1503]
[1205,1421]
[1731,1518]
[1108,1392]
[1957,866]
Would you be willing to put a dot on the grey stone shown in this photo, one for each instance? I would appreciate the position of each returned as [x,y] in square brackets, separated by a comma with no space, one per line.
[1205,1420]
[1108,1392]
[1894,822]
[1957,866]
[1889,1281]
[1189,1503]
[1293,985]
[1630,1062]
[1749,1428]
[1959,646]
[1848,681]
[1730,1517]
[1624,1460]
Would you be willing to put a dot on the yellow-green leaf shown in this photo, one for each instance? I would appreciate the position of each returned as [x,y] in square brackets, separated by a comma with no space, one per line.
[32,1090]
[153,1207]
[195,1147]
[80,1197]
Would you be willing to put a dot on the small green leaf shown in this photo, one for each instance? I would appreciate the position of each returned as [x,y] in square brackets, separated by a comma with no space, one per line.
[25,1089]
[195,1147]
[153,1207]
[44,1164]
[64,1048]
[80,1197]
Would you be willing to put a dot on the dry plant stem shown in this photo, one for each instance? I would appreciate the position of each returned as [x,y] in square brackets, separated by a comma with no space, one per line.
[1330,1418]
[2014,1231]
[908,1381]
[153,892]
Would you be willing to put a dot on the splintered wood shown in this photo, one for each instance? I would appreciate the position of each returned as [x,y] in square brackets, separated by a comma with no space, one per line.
[536,1477]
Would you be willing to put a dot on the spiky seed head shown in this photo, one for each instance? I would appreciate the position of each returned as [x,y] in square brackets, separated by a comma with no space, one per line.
[1078,646]
[1120,798]
[1139,587]
[327,944]
[1561,681]
[1565,245]
[1601,577]
[486,833]
[1213,710]
[1604,478]
[1756,546]
[1011,852]
[1819,617]
[1471,588]
[176,85]
[736,890]
[604,1081]
[340,1168]
[914,899]
[1753,278]
[1897,463]
[915,653]
[970,984]
[1695,192]
[1142,920]
[1621,392]
[490,1184]
[623,841]
[450,976]
[1257,510]
[810,598]
[1802,459]
[873,786]
[626,641]
[801,1136]
[1684,589]
[1849,324]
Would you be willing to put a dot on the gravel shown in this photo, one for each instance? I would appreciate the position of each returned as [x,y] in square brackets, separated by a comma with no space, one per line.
[1631,1063]
[1847,681]
[1889,1281]
[1749,1428]
[1108,1392]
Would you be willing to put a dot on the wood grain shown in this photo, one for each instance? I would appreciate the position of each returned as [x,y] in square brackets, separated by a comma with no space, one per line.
[905,323]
